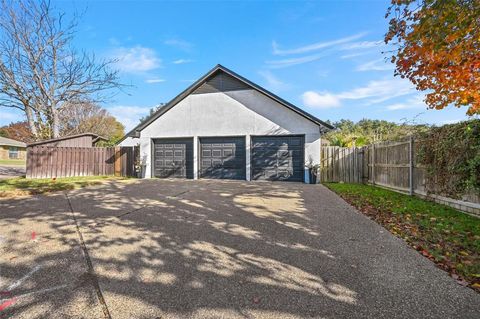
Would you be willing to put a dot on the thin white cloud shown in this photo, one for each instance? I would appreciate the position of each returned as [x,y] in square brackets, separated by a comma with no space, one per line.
[361,48]
[182,61]
[380,90]
[345,44]
[372,93]
[136,59]
[114,41]
[362,45]
[179,44]
[376,65]
[315,46]
[411,103]
[273,82]
[152,81]
[277,64]
[356,54]
[320,100]
[129,115]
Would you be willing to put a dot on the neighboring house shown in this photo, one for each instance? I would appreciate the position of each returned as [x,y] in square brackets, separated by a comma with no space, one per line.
[12,149]
[78,140]
[224,126]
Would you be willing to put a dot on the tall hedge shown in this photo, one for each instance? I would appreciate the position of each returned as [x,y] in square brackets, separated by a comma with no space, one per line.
[451,154]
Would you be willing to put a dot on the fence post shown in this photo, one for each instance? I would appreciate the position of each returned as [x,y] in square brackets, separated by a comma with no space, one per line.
[410,145]
[117,166]
[373,163]
[320,166]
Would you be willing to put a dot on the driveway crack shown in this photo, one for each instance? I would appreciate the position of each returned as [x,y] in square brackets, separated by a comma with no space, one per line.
[132,211]
[89,263]
[177,195]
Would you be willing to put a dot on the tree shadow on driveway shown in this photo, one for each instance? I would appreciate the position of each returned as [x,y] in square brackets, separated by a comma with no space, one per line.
[217,249]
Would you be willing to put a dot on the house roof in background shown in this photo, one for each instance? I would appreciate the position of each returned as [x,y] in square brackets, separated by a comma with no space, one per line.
[10,142]
[216,69]
[96,137]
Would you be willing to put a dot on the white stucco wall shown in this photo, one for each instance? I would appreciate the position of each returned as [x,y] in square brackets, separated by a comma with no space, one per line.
[243,113]
[130,141]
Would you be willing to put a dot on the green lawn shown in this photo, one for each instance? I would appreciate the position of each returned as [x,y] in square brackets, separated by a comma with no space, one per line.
[446,236]
[13,187]
[12,162]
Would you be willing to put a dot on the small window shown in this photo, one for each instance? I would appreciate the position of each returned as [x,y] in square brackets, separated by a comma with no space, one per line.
[13,152]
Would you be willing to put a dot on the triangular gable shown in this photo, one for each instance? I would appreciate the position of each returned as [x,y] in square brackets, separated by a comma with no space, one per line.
[221,79]
[221,82]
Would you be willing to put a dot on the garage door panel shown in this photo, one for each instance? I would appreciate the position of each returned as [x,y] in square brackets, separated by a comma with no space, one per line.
[285,163]
[173,158]
[217,153]
[284,154]
[223,157]
[232,173]
[295,142]
[178,153]
[278,158]
[234,165]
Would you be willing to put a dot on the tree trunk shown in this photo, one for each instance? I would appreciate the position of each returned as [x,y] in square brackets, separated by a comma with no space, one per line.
[31,122]
[55,129]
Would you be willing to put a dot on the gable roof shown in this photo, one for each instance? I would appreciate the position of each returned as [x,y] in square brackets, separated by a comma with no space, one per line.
[10,142]
[196,85]
[95,138]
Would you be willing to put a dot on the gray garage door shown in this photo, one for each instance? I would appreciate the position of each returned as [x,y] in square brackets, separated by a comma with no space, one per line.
[278,158]
[222,157]
[173,158]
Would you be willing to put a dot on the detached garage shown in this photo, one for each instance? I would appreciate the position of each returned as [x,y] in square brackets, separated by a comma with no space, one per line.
[226,127]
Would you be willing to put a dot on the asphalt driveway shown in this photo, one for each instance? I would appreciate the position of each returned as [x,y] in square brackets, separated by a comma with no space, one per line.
[9,171]
[212,249]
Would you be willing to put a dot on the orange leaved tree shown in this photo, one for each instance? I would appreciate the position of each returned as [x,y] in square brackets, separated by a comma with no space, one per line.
[438,49]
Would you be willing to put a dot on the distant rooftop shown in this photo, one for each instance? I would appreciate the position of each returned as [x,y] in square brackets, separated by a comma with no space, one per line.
[10,142]
[95,138]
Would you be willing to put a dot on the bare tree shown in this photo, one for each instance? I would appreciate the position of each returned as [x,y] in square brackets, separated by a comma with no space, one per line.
[87,117]
[39,69]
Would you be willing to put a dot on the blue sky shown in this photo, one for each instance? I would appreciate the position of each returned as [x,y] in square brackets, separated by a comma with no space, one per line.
[323,56]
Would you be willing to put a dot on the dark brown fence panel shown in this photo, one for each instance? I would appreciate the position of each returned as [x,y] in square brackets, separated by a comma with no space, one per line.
[50,162]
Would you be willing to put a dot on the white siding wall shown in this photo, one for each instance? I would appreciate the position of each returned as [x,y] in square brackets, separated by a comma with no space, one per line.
[244,113]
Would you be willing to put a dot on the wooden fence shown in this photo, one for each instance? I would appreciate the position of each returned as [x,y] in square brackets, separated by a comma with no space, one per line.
[387,164]
[50,162]
[341,164]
